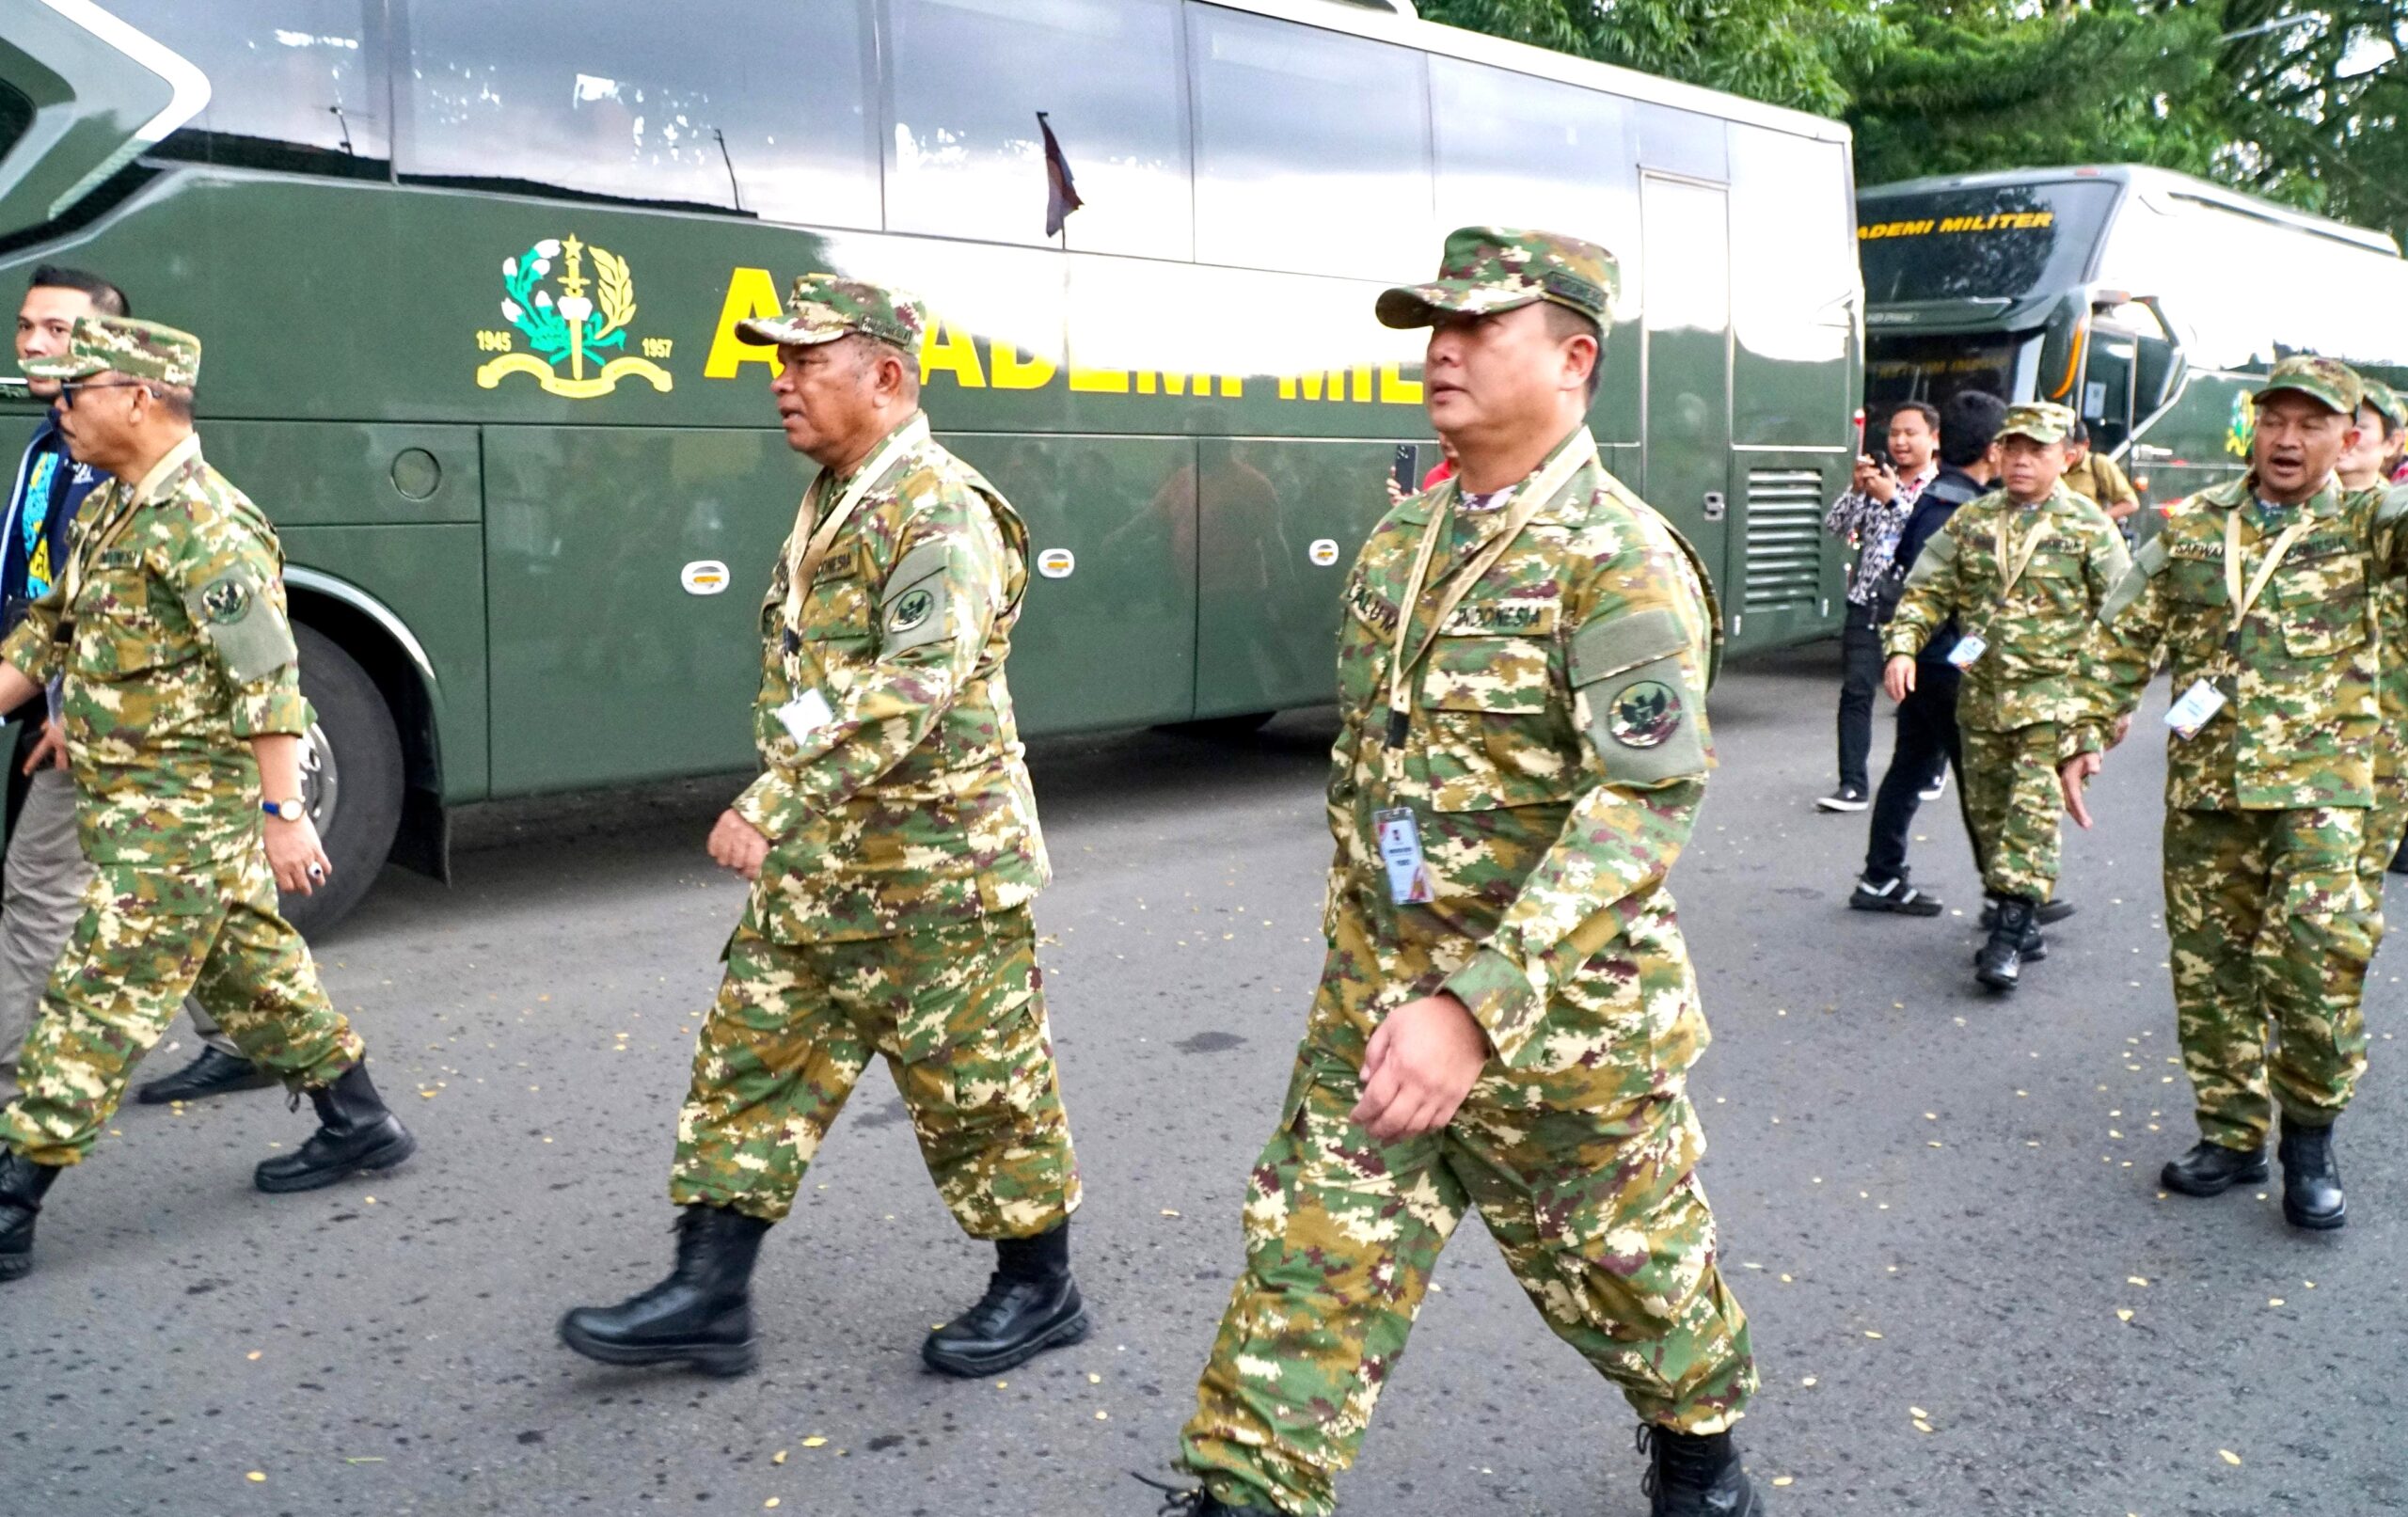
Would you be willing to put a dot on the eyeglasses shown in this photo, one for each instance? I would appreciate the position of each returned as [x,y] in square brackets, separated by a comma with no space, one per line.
[69,388]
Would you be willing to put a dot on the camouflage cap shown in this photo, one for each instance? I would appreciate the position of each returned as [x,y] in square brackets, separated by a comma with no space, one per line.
[2386,399]
[1489,269]
[2328,380]
[2043,421]
[822,307]
[139,350]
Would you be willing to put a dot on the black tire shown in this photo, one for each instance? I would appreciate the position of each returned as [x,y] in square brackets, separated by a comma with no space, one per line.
[351,778]
[1222,729]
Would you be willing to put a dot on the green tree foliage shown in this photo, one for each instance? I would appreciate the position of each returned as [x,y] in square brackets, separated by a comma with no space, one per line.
[2301,102]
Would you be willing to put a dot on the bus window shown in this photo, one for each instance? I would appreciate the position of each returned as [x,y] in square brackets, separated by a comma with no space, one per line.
[1998,243]
[293,84]
[1794,286]
[1312,149]
[1910,367]
[16,114]
[965,157]
[744,106]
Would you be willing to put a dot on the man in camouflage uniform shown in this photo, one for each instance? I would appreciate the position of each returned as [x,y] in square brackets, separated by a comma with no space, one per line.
[2023,570]
[893,845]
[2260,590]
[183,717]
[1507,1013]
[2381,418]
[2096,477]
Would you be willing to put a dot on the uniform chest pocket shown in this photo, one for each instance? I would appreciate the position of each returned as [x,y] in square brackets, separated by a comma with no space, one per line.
[2322,603]
[118,636]
[1493,736]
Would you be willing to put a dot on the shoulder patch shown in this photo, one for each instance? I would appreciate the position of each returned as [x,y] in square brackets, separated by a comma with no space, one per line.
[248,632]
[1611,644]
[912,610]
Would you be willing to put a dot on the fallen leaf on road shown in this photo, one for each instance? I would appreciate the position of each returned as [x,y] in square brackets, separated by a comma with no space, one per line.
[2227,1456]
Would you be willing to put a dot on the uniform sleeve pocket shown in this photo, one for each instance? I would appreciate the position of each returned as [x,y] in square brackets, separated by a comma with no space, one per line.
[1638,702]
[249,633]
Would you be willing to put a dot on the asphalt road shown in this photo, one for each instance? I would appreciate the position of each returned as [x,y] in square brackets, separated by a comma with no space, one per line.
[1939,1207]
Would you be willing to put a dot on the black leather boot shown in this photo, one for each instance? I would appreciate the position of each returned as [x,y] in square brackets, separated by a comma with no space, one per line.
[354,1132]
[1695,1475]
[22,1184]
[2054,911]
[1181,1502]
[701,1315]
[2399,865]
[2000,963]
[1031,1304]
[214,1073]
[2311,1179]
[2211,1169]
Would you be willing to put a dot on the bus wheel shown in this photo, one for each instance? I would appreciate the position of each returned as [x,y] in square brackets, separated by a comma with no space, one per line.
[351,779]
[1222,729]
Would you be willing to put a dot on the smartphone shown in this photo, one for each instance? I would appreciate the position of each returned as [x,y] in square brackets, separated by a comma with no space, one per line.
[1407,467]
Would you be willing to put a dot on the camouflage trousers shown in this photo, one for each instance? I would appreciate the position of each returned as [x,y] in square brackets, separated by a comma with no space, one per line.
[1581,1166]
[957,1012]
[146,939]
[2012,801]
[2271,929]
[2386,823]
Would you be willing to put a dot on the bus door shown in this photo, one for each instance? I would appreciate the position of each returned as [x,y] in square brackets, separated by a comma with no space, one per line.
[1686,396]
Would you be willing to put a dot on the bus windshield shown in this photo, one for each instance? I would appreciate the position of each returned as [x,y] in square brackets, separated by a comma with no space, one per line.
[1910,367]
[2005,242]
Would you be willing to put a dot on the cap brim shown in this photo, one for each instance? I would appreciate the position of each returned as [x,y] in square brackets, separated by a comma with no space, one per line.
[783,332]
[1408,306]
[2323,398]
[61,367]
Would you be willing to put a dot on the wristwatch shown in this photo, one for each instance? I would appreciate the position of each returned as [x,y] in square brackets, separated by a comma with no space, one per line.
[290,811]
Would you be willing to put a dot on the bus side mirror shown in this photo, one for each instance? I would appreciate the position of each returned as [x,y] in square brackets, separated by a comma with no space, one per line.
[2158,372]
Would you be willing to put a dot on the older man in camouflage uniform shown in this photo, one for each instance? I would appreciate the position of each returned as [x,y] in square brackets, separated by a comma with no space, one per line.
[2023,570]
[892,844]
[2261,591]
[1507,1013]
[183,718]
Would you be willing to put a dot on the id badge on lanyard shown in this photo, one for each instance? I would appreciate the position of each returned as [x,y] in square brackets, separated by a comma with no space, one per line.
[1408,872]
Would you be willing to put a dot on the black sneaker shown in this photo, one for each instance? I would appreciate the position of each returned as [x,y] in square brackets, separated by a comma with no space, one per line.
[1894,895]
[1938,787]
[1845,798]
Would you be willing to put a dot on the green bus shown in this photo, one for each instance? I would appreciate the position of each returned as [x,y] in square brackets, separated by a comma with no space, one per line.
[468,278]
[2149,301]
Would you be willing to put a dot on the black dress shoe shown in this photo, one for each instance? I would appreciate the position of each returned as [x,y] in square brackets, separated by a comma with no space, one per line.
[22,1184]
[1031,1304]
[2211,1169]
[701,1315]
[354,1132]
[1695,1475]
[2311,1179]
[214,1073]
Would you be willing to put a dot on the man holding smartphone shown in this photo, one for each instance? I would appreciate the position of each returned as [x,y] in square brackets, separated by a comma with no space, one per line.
[1872,513]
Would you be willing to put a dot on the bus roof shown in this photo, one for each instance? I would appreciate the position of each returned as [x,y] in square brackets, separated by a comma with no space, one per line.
[2145,179]
[1395,21]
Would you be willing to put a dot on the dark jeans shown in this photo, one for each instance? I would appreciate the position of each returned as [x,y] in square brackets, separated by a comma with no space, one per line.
[1860,651]
[1927,744]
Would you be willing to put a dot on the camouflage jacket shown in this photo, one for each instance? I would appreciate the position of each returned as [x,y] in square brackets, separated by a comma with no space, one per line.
[174,650]
[2036,631]
[904,800]
[1558,748]
[2298,724]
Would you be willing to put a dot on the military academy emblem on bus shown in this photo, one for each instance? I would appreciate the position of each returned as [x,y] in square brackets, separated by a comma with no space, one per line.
[585,335]
[2244,422]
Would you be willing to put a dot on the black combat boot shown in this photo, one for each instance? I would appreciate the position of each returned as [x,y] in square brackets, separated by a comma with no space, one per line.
[1695,1475]
[22,1184]
[1031,1304]
[2311,1179]
[2211,1169]
[2047,915]
[1179,1502]
[217,1072]
[2000,963]
[354,1132]
[701,1315]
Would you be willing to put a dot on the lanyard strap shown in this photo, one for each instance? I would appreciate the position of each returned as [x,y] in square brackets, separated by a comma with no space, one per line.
[2011,570]
[818,541]
[1529,498]
[2242,602]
